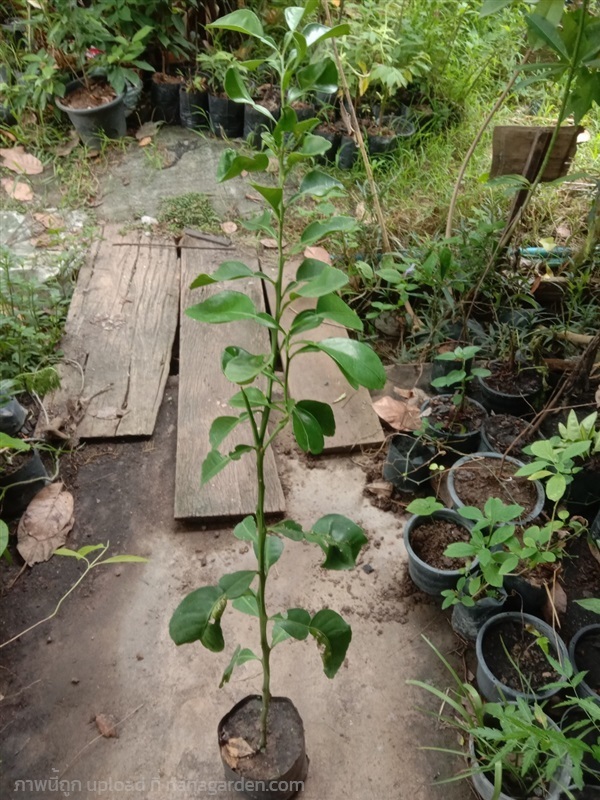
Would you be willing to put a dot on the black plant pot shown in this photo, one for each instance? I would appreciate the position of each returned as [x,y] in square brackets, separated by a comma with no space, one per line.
[468,620]
[461,443]
[517,403]
[499,431]
[305,111]
[193,109]
[583,494]
[526,596]
[334,139]
[380,145]
[12,417]
[22,485]
[584,649]
[255,123]
[165,101]
[285,730]
[226,117]
[407,463]
[94,124]
[347,153]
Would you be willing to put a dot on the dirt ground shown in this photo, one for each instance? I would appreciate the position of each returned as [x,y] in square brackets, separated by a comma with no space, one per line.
[108,651]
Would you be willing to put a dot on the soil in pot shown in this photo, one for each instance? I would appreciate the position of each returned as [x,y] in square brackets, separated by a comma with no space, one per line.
[432,537]
[483,477]
[284,759]
[516,658]
[510,391]
[500,430]
[445,416]
[94,95]
[165,97]
[587,658]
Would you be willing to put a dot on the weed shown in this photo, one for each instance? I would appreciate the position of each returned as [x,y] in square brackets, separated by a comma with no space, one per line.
[192,210]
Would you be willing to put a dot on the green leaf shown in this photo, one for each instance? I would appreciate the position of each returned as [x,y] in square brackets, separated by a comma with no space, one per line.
[228,306]
[333,635]
[237,91]
[314,145]
[221,427]
[124,559]
[493,6]
[238,658]
[322,412]
[293,16]
[243,21]
[315,32]
[316,231]
[60,551]
[556,487]
[237,584]
[261,223]
[318,184]
[460,550]
[247,604]
[4,537]
[294,623]
[306,320]
[11,443]
[240,366]
[340,539]
[198,618]
[424,507]
[231,165]
[273,195]
[320,76]
[593,604]
[254,396]
[307,431]
[359,364]
[545,30]
[227,271]
[246,530]
[89,548]
[273,550]
[332,307]
[318,278]
[288,528]
[212,465]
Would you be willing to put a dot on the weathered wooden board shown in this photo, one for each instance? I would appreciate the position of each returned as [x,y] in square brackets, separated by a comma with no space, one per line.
[118,338]
[203,395]
[314,376]
[512,145]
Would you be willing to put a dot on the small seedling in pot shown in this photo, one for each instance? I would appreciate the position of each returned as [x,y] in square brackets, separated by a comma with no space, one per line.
[459,379]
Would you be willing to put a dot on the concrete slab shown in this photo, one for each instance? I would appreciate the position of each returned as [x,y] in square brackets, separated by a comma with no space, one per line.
[109,651]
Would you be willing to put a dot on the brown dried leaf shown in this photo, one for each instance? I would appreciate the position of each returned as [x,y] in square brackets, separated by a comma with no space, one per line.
[49,220]
[229,227]
[269,244]
[235,749]
[17,190]
[319,253]
[415,395]
[107,726]
[148,130]
[563,232]
[597,397]
[66,148]
[399,414]
[45,524]
[381,489]
[145,141]
[17,160]
[8,135]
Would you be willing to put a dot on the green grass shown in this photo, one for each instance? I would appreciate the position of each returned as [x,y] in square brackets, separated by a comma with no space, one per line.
[192,210]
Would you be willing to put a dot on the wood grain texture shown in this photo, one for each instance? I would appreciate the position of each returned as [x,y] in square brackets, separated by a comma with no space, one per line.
[512,146]
[203,395]
[314,376]
[118,337]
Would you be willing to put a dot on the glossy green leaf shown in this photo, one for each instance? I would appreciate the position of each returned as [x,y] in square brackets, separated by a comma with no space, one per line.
[288,528]
[198,618]
[322,412]
[12,443]
[315,32]
[333,635]
[460,550]
[240,366]
[359,364]
[556,486]
[237,583]
[212,465]
[593,604]
[340,539]
[318,278]
[254,396]
[273,550]
[318,184]
[231,164]
[263,222]
[237,91]
[295,623]
[238,658]
[294,16]
[227,271]
[273,195]
[306,320]
[316,231]
[320,76]
[493,6]
[243,21]
[314,145]
[229,306]
[307,431]
[332,307]
[221,427]
[246,530]
[247,604]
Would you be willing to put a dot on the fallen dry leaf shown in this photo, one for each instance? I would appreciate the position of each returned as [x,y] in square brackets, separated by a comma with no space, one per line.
[360,211]
[145,141]
[148,129]
[319,253]
[17,160]
[269,244]
[48,220]
[66,148]
[229,227]
[17,190]
[597,397]
[399,414]
[8,135]
[45,525]
[415,395]
[381,489]
[563,231]
[107,725]
[235,749]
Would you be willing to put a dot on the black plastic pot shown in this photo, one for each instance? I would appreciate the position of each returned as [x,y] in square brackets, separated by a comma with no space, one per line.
[12,417]
[290,779]
[507,402]
[165,101]
[526,596]
[94,124]
[583,494]
[380,145]
[347,153]
[589,631]
[430,579]
[304,112]
[489,444]
[334,138]
[193,109]
[407,463]
[255,123]
[226,117]
[22,485]
[463,442]
[466,460]
[490,685]
[468,620]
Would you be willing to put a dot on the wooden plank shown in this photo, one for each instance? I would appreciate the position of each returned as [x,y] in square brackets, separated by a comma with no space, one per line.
[203,395]
[512,146]
[118,338]
[314,376]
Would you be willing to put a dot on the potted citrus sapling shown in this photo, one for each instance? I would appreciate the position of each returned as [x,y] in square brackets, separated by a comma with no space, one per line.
[262,738]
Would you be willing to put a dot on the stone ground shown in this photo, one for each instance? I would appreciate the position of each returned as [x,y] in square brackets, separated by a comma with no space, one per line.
[108,650]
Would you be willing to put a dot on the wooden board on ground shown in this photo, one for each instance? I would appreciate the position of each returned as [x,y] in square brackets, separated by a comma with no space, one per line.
[512,146]
[203,395]
[118,339]
[314,376]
